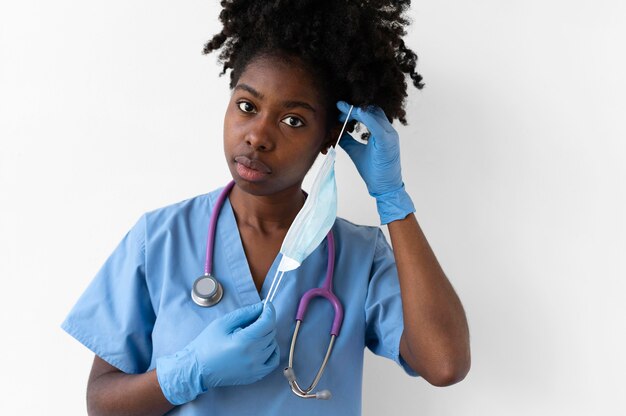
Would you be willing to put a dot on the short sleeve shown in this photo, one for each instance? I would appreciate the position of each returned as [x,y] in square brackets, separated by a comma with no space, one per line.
[114,316]
[383,306]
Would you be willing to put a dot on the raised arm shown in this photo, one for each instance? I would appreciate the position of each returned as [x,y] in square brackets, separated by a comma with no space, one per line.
[435,341]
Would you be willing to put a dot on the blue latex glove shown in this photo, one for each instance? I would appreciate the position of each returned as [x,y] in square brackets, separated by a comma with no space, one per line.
[378,162]
[237,348]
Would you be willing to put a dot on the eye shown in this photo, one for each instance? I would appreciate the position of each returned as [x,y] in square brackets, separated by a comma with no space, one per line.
[246,106]
[292,121]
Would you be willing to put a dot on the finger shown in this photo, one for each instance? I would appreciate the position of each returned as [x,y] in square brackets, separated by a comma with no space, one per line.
[264,324]
[383,135]
[375,114]
[274,359]
[377,126]
[344,107]
[241,318]
[351,146]
[267,352]
[261,342]
[373,117]
[372,113]
[378,113]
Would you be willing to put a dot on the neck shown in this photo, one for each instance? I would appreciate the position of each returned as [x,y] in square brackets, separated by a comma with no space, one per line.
[266,213]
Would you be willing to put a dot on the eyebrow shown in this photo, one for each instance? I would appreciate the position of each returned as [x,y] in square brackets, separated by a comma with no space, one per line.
[251,90]
[287,104]
[301,104]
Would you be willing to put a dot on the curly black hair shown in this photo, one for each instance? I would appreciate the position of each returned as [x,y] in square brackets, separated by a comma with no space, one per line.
[354,48]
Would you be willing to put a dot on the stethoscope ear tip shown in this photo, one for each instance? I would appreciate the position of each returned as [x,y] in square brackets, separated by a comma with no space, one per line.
[289,374]
[323,395]
[291,377]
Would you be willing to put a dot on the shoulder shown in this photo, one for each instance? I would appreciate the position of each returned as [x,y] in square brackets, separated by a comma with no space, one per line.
[364,238]
[185,211]
[356,231]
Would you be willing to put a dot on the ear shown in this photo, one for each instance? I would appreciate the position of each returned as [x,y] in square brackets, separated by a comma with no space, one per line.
[331,138]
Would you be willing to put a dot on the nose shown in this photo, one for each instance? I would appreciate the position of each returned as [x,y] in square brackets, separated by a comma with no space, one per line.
[259,136]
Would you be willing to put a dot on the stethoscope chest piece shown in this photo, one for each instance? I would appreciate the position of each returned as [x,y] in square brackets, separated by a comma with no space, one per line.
[206,291]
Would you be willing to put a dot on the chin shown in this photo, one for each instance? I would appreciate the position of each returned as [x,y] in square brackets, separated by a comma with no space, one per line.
[260,188]
[252,188]
[266,187]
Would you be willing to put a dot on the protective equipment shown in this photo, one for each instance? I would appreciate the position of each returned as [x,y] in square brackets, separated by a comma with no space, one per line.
[237,348]
[314,220]
[378,162]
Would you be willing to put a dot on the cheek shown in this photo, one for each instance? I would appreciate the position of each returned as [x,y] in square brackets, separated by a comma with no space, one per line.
[307,157]
[321,139]
[230,126]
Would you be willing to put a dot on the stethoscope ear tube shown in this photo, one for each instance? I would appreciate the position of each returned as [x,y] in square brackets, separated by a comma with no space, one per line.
[326,291]
[207,290]
[291,375]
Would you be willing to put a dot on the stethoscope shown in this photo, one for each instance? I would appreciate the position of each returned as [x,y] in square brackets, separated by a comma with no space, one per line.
[207,291]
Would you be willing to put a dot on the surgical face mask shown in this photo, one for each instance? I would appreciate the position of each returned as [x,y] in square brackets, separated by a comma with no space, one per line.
[314,220]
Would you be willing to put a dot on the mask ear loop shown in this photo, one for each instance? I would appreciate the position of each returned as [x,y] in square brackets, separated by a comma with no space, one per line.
[345,123]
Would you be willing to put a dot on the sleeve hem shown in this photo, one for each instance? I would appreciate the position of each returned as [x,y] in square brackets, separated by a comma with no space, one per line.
[92,344]
[406,367]
[397,358]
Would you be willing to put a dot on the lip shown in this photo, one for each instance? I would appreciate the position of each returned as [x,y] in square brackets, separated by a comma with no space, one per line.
[253,164]
[251,170]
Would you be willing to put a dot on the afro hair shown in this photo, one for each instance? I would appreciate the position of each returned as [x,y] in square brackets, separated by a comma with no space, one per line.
[353,47]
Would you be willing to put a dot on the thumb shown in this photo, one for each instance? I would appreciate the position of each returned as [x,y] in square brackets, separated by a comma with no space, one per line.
[240,318]
[265,324]
[351,146]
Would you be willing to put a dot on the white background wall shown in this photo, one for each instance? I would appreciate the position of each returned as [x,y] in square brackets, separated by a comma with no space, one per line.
[514,158]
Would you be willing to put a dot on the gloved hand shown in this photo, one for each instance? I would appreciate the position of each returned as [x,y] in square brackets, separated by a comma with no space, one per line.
[237,348]
[378,162]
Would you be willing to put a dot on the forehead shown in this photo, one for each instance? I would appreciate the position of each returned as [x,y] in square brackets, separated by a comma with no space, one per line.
[282,77]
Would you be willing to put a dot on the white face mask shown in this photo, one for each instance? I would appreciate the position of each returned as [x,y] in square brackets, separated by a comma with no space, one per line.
[314,220]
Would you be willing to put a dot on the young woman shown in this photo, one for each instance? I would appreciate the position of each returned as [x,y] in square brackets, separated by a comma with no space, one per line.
[295,66]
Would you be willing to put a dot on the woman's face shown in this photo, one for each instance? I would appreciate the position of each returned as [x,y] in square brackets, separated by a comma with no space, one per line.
[275,126]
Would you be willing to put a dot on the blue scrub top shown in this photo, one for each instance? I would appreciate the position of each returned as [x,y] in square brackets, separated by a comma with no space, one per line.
[139,307]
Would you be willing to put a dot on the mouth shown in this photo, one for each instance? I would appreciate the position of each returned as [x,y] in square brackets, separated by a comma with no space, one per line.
[251,169]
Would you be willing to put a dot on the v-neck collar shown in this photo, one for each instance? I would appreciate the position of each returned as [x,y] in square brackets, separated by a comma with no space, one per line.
[237,260]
